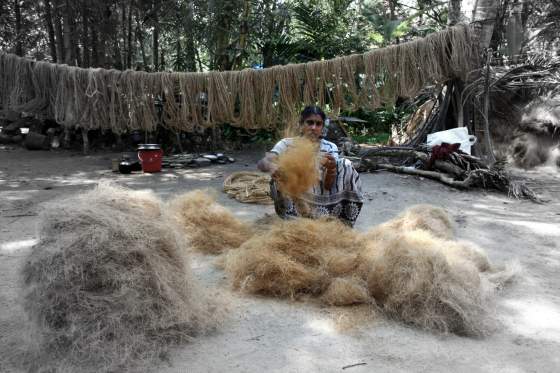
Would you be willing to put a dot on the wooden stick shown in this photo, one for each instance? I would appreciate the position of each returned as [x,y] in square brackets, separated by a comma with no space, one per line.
[444,178]
[446,167]
[352,365]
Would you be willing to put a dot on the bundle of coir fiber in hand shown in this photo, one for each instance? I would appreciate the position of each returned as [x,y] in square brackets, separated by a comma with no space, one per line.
[109,285]
[298,168]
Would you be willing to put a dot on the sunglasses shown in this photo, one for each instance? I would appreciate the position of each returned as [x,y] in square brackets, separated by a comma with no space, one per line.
[317,123]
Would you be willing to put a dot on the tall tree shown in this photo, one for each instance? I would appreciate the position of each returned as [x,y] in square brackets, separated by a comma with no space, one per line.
[18,28]
[50,29]
[86,47]
[454,12]
[155,37]
[58,31]
[67,31]
[130,48]
[224,18]
[484,13]
[189,32]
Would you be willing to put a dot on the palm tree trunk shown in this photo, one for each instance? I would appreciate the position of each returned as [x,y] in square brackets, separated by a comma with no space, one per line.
[485,13]
[67,36]
[19,36]
[86,61]
[129,40]
[155,42]
[58,32]
[50,30]
[454,13]
[190,46]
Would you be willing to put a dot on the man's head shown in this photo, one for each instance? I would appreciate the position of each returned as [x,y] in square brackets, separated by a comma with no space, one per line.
[312,120]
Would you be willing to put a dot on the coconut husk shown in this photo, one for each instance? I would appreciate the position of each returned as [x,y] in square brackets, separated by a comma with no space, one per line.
[426,217]
[409,266]
[344,291]
[210,227]
[413,278]
[109,285]
[294,257]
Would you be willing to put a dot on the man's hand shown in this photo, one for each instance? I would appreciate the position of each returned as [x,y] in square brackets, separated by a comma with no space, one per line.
[329,163]
[268,163]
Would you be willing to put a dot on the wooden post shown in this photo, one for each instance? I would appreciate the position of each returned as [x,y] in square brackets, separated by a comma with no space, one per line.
[85,141]
[178,137]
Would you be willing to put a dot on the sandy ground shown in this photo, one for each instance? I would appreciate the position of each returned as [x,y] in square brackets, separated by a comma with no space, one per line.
[280,336]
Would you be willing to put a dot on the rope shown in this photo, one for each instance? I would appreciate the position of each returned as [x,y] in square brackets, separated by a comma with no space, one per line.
[249,187]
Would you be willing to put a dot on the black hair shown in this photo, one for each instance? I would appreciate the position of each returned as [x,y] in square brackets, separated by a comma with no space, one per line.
[312,110]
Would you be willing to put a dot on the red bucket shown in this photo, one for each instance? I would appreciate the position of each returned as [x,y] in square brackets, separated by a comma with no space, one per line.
[150,156]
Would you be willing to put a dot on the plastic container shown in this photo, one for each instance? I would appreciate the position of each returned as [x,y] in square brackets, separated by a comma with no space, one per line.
[150,155]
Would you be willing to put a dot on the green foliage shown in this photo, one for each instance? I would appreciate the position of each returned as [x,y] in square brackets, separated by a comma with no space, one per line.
[327,28]
[405,22]
[379,123]
[380,138]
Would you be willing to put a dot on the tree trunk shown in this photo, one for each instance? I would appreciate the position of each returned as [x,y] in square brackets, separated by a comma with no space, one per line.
[274,26]
[94,49]
[85,140]
[124,38]
[502,16]
[76,54]
[140,39]
[86,62]
[129,38]
[105,33]
[50,30]
[118,57]
[243,36]
[155,41]
[67,36]
[199,60]
[393,15]
[190,46]
[454,13]
[267,55]
[223,23]
[58,31]
[179,61]
[19,35]
[485,13]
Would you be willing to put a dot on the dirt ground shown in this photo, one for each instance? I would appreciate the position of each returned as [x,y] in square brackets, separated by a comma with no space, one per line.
[280,336]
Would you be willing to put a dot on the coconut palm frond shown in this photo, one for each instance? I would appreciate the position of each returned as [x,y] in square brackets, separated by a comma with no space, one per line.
[538,75]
